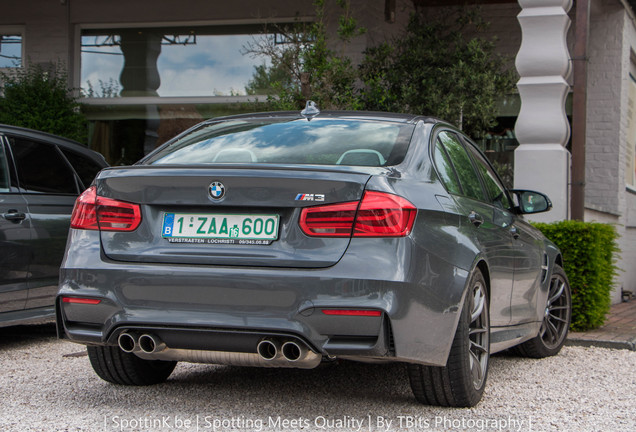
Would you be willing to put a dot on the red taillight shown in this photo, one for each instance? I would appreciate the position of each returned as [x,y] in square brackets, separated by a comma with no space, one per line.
[93,212]
[352,312]
[335,220]
[116,215]
[79,300]
[84,216]
[378,215]
[384,215]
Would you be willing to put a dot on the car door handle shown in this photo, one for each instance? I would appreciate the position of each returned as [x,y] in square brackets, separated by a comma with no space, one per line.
[515,232]
[14,216]
[475,219]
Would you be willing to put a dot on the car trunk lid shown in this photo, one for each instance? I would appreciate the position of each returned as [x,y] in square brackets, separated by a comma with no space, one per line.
[183,221]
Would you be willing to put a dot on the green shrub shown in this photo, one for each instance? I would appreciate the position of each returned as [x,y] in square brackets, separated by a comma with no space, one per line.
[40,99]
[589,255]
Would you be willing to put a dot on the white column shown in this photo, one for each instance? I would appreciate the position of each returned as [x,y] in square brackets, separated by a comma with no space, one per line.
[541,161]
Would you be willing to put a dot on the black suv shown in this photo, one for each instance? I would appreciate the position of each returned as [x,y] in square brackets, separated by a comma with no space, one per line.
[41,175]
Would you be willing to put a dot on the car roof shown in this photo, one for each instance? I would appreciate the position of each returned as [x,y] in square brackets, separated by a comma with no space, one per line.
[56,139]
[352,115]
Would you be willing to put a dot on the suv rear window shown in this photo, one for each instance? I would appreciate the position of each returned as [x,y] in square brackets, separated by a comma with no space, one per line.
[276,141]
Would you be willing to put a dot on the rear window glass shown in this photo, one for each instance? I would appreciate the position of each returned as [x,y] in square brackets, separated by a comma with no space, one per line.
[41,167]
[85,168]
[316,142]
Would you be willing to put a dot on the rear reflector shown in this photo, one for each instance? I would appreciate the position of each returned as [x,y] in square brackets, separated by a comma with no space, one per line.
[78,300]
[92,212]
[352,312]
[379,214]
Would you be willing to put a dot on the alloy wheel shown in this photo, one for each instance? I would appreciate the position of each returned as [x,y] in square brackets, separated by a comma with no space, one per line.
[556,317]
[478,335]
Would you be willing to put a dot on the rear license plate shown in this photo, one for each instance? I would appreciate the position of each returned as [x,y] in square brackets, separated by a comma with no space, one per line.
[220,228]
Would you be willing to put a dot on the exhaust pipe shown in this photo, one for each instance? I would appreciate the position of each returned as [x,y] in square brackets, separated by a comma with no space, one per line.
[268,349]
[126,342]
[293,352]
[269,353]
[149,344]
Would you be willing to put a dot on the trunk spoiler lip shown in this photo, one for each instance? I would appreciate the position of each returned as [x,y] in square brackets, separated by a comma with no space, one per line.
[195,169]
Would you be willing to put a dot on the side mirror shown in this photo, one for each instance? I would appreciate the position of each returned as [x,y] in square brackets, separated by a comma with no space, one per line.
[531,201]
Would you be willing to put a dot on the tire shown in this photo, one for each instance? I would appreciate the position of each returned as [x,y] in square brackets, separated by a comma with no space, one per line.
[556,319]
[462,381]
[112,364]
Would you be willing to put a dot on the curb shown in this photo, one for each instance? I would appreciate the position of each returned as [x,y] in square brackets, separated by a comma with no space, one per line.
[627,344]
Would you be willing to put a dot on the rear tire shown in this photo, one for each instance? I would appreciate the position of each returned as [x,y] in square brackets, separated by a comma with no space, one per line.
[462,381]
[556,319]
[112,364]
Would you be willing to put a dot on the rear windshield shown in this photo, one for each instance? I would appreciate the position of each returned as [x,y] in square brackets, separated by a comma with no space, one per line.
[319,141]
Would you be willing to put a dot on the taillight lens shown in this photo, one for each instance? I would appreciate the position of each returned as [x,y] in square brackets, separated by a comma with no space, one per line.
[113,215]
[384,215]
[378,215]
[84,216]
[92,212]
[335,220]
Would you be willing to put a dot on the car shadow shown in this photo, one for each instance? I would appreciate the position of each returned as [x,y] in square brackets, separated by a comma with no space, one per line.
[316,391]
[25,334]
[347,378]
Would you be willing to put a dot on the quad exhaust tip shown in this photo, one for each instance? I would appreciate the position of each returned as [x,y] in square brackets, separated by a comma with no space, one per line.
[149,344]
[270,352]
[293,352]
[146,343]
[268,349]
[126,342]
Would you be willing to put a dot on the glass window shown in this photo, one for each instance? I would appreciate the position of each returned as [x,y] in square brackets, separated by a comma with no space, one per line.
[41,168]
[446,170]
[170,61]
[85,168]
[10,49]
[468,178]
[496,191]
[297,141]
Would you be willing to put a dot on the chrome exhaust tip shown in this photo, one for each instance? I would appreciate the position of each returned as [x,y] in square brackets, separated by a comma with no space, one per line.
[150,344]
[126,342]
[293,352]
[267,349]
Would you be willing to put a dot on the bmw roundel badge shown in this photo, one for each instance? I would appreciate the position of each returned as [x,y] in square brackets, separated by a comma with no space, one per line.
[216,190]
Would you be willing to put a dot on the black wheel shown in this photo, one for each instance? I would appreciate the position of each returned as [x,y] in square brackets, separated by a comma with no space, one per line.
[461,382]
[556,319]
[118,367]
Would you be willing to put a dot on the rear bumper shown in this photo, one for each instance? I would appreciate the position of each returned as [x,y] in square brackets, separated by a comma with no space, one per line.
[232,308]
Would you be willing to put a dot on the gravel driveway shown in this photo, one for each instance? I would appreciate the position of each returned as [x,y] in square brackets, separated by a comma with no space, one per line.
[48,385]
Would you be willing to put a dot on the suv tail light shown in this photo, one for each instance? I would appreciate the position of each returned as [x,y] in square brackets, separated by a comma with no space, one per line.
[92,212]
[379,214]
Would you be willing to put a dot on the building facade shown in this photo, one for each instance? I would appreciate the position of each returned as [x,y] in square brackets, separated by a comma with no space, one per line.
[148,69]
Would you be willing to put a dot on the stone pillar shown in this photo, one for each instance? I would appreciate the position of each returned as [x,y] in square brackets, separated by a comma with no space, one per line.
[541,161]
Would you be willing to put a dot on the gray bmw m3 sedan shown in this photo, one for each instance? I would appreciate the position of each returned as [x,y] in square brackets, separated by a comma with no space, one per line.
[288,239]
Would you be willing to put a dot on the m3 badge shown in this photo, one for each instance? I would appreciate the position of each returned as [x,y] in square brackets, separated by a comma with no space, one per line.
[310,197]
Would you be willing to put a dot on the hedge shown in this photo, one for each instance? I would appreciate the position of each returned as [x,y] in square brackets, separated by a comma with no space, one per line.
[590,252]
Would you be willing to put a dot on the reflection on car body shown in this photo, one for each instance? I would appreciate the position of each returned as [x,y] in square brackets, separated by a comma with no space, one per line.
[414,253]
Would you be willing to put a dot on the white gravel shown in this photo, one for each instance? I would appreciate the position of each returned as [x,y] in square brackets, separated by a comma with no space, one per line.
[43,389]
